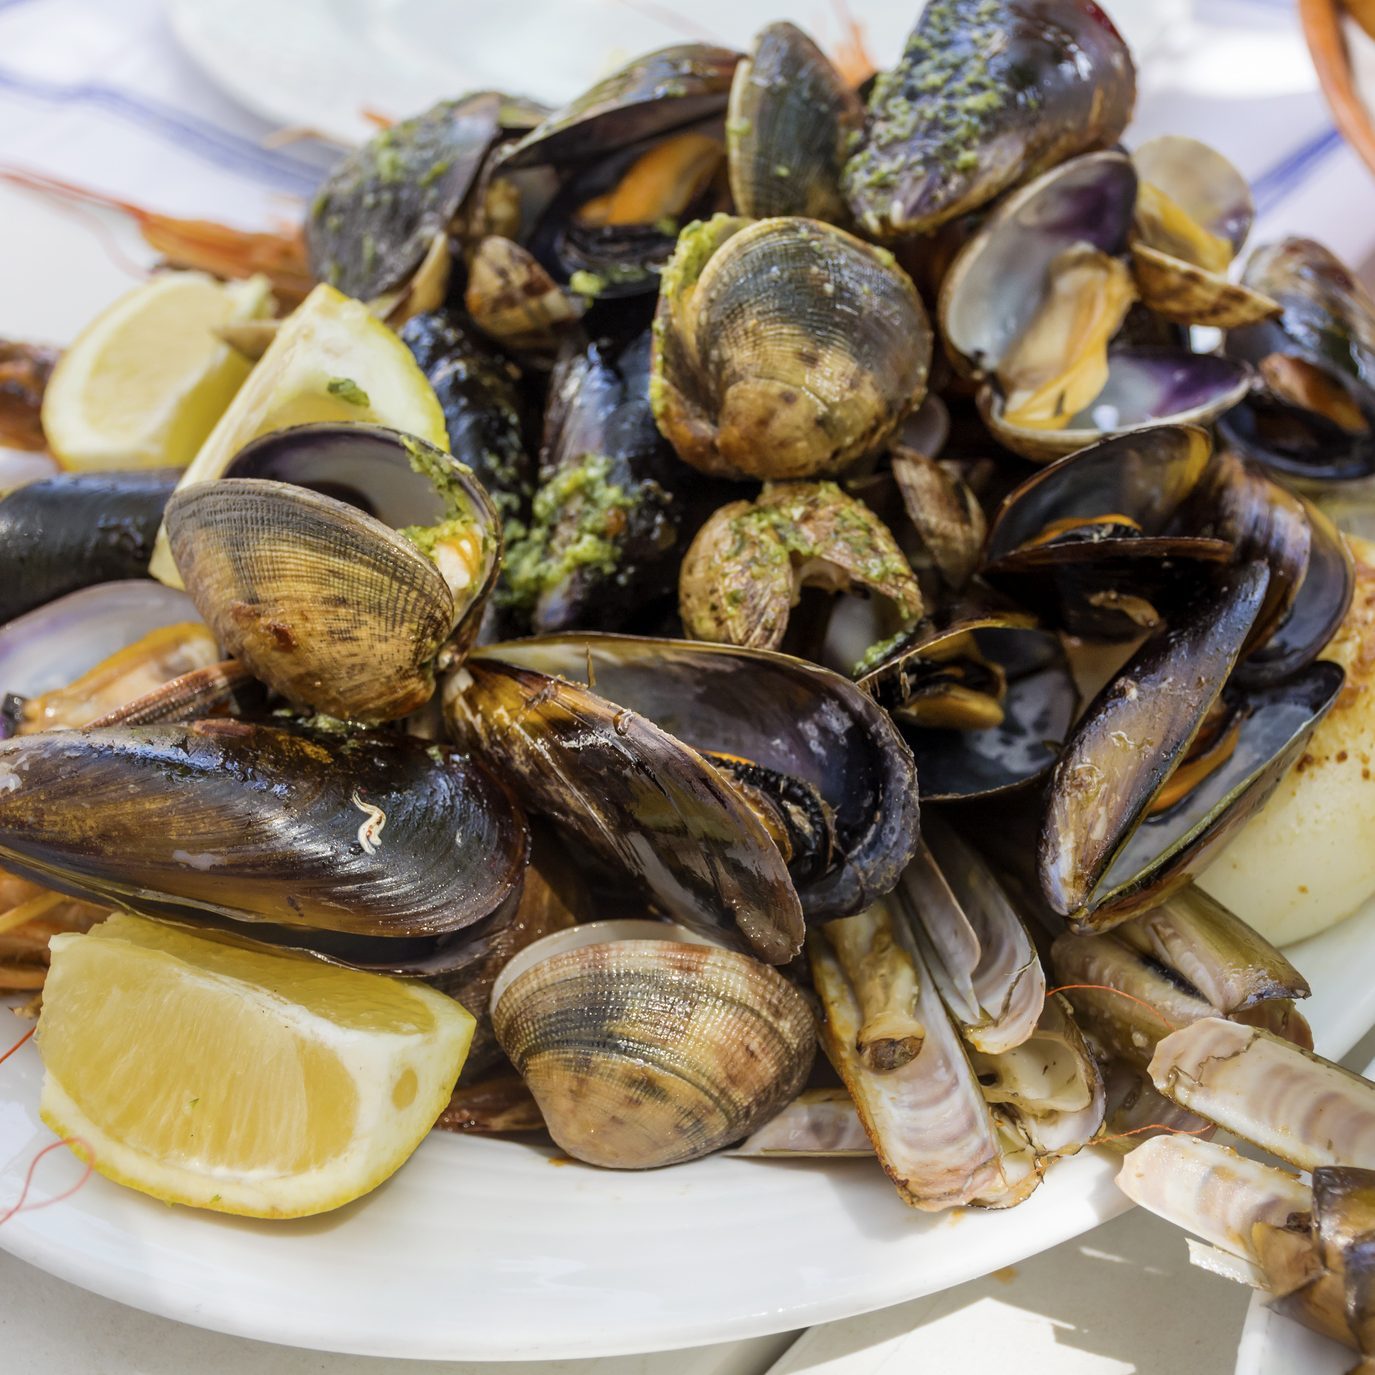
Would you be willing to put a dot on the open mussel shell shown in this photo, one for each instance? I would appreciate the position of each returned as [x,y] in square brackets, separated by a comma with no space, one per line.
[342,568]
[359,835]
[1312,419]
[1193,214]
[652,95]
[75,529]
[985,704]
[645,1047]
[986,95]
[1319,603]
[1113,840]
[1087,543]
[379,211]
[786,715]
[788,129]
[784,348]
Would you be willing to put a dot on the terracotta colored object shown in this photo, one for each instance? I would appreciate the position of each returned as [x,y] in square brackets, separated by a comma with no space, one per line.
[1323,28]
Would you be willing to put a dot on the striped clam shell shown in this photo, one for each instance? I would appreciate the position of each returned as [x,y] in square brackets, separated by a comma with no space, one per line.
[651,1050]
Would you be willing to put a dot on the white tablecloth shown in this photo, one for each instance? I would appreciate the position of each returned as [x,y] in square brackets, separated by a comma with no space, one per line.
[94,92]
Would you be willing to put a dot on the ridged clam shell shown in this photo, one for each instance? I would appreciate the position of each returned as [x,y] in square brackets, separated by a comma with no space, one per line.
[790,350]
[649,1052]
[328,606]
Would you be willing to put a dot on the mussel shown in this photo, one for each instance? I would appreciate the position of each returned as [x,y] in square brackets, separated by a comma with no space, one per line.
[614,507]
[343,606]
[644,1046]
[789,127]
[70,531]
[784,348]
[613,737]
[1311,417]
[382,208]
[371,847]
[987,93]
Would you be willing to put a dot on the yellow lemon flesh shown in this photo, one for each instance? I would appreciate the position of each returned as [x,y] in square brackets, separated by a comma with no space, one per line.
[211,1071]
[146,380]
[331,360]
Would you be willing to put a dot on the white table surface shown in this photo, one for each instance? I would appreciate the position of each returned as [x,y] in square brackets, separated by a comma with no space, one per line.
[1120,1299]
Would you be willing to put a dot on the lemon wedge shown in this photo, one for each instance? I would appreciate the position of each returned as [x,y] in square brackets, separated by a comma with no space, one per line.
[146,380]
[211,1071]
[331,360]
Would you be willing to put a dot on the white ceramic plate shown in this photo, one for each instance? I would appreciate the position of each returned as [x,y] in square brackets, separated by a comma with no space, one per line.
[320,63]
[492,1249]
[1275,1345]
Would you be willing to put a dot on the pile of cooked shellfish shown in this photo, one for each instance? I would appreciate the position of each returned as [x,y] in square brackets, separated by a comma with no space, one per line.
[895,553]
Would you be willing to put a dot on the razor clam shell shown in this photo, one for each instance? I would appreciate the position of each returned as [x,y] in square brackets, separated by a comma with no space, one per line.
[1049,1075]
[1344,1221]
[1019,1164]
[648,1052]
[818,1122]
[1136,1112]
[1288,1101]
[788,127]
[1230,964]
[927,1120]
[989,973]
[782,713]
[69,531]
[365,835]
[636,797]
[651,95]
[1089,968]
[1212,1191]
[1104,780]
[48,647]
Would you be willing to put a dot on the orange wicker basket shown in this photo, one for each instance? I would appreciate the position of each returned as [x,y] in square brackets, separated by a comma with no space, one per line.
[1324,28]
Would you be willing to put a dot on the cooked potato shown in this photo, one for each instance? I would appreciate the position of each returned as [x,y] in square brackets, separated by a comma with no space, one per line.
[1307,859]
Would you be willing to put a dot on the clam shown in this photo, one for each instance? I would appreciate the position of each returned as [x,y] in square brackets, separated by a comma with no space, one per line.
[1164,764]
[1193,212]
[1092,543]
[747,566]
[943,511]
[1311,418]
[338,608]
[789,127]
[614,507]
[381,211]
[663,705]
[1032,307]
[926,1116]
[987,93]
[784,348]
[655,94]
[45,649]
[370,847]
[515,302]
[75,529]
[645,1047]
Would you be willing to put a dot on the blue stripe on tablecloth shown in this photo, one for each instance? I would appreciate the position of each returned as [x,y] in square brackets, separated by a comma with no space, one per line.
[187,131]
[1279,181]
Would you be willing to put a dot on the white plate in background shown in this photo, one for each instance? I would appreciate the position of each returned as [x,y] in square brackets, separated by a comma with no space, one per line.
[320,63]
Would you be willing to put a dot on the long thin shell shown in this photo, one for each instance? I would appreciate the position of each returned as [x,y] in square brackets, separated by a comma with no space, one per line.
[928,1120]
[819,1122]
[1211,1191]
[1288,1101]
